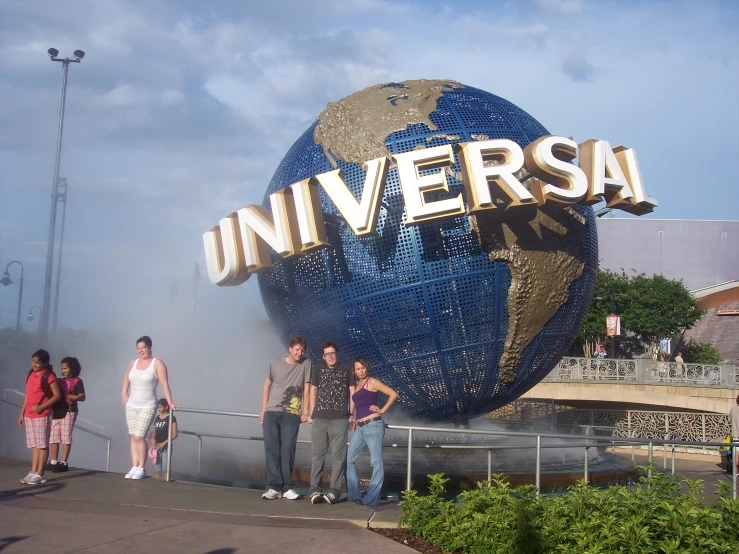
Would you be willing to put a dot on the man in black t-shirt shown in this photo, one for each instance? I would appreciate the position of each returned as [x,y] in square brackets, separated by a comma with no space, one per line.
[331,385]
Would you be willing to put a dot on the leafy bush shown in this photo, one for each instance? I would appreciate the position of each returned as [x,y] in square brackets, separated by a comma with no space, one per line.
[697,352]
[653,516]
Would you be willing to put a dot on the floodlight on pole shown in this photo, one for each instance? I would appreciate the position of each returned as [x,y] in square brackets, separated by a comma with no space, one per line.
[6,280]
[45,311]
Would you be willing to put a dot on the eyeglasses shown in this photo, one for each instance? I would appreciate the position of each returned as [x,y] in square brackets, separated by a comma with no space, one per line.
[329,354]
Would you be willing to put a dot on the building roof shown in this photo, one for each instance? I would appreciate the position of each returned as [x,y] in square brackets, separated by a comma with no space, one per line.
[717,295]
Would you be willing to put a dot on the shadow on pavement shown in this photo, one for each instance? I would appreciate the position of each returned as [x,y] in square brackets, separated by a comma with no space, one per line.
[5,542]
[53,485]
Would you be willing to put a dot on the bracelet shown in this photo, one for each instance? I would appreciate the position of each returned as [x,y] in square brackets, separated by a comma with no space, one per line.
[170,405]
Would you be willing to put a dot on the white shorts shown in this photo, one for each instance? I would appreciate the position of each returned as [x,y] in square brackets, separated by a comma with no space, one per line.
[139,420]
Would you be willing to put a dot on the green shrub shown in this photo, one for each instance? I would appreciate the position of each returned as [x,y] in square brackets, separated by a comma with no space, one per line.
[652,516]
[697,352]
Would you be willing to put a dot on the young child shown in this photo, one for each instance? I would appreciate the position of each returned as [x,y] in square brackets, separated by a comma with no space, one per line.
[61,429]
[42,392]
[161,434]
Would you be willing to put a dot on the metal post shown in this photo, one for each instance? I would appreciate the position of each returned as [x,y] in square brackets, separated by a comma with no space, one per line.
[538,464]
[614,337]
[735,468]
[490,465]
[107,459]
[664,452]
[673,459]
[649,472]
[409,468]
[62,198]
[52,221]
[200,451]
[554,416]
[169,444]
[6,281]
[586,463]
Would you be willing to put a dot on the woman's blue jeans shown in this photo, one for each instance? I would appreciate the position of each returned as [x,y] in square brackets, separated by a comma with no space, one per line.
[371,436]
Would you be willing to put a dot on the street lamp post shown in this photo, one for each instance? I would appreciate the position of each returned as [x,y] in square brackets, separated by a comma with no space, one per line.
[63,199]
[6,280]
[615,336]
[78,55]
[30,317]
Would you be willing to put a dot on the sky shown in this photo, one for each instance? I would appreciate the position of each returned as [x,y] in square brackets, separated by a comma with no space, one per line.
[181,111]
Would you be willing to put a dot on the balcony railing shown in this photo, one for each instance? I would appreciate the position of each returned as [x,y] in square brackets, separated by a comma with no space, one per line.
[645,371]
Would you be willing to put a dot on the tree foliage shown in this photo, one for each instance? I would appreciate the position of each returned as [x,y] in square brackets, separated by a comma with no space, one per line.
[697,352]
[650,308]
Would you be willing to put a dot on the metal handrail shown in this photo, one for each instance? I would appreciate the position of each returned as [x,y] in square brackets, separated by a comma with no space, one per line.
[81,428]
[539,436]
[86,422]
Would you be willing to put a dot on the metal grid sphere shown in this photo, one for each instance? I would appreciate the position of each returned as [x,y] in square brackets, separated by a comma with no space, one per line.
[424,304]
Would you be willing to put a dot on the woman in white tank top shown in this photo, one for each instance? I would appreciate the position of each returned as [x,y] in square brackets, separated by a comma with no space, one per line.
[140,399]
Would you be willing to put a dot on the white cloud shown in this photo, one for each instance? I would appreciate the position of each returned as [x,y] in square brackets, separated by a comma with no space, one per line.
[181,111]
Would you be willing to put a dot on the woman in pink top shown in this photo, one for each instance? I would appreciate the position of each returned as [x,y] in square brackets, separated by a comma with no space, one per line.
[140,399]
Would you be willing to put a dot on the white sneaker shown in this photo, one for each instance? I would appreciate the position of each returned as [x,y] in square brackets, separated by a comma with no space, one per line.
[131,472]
[140,473]
[41,480]
[290,494]
[25,480]
[34,479]
[272,494]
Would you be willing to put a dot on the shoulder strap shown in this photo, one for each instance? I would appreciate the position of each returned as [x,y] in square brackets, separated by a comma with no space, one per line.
[29,375]
[45,383]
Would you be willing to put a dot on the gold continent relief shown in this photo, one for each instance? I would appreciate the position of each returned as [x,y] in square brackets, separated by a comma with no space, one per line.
[544,249]
[355,128]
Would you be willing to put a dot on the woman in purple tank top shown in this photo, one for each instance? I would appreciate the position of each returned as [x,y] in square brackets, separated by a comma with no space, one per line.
[369,431]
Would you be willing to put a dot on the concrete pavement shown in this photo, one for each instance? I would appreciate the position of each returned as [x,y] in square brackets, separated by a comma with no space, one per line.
[98,512]
[89,511]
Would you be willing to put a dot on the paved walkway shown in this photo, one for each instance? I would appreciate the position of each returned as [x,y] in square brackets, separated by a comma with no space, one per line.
[96,512]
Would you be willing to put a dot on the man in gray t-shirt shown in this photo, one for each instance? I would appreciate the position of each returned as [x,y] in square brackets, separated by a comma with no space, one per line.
[285,399]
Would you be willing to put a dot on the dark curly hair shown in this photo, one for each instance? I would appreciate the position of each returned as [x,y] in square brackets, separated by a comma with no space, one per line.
[74,365]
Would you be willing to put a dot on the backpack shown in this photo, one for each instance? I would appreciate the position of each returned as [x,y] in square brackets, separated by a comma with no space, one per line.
[59,409]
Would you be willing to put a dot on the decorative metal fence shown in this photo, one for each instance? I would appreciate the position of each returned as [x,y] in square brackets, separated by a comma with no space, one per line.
[704,427]
[596,368]
[645,370]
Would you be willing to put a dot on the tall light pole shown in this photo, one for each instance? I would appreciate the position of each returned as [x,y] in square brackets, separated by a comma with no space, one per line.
[78,55]
[6,280]
[63,199]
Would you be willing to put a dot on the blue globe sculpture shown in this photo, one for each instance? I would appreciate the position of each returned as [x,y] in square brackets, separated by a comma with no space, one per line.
[460,316]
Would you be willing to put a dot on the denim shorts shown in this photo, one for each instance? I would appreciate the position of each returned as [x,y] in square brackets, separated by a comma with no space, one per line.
[161,466]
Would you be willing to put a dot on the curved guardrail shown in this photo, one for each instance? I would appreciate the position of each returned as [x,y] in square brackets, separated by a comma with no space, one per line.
[81,428]
[590,440]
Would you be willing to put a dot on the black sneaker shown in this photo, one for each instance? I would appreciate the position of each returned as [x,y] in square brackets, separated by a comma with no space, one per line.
[316,498]
[56,468]
[62,467]
[329,498]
